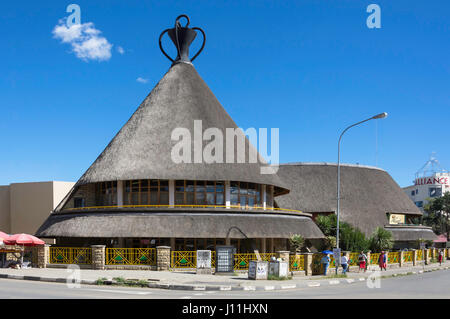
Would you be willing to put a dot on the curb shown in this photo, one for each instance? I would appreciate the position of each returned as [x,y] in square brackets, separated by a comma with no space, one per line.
[305,284]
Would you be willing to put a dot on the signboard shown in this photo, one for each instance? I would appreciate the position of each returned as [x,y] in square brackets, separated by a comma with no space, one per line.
[432,180]
[224,259]
[337,255]
[258,269]
[396,219]
[203,259]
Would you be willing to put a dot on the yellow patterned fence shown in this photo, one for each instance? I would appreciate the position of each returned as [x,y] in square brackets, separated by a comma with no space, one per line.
[241,261]
[296,262]
[374,258]
[131,256]
[183,259]
[70,255]
[393,257]
[408,256]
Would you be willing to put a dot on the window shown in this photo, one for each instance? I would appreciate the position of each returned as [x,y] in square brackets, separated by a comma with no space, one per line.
[107,193]
[413,193]
[419,204]
[146,192]
[435,191]
[245,194]
[78,202]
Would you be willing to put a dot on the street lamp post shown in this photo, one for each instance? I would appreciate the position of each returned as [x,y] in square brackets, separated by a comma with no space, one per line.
[379,116]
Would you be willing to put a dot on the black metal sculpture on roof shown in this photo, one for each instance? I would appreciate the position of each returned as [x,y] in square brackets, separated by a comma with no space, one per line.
[182,37]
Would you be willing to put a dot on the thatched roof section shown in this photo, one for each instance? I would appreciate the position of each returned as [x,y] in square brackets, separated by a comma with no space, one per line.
[411,233]
[177,224]
[367,193]
[142,148]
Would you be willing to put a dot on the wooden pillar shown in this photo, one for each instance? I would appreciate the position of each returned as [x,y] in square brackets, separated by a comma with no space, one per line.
[171,192]
[263,245]
[263,197]
[227,195]
[119,193]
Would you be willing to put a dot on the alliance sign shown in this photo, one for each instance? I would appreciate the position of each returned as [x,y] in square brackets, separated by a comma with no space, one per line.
[432,180]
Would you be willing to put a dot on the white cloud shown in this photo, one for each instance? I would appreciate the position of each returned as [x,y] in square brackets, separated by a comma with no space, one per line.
[141,80]
[85,39]
[120,50]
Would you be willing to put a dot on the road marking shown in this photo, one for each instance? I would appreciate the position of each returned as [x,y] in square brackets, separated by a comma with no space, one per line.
[313,284]
[269,287]
[350,280]
[288,286]
[186,297]
[362,279]
[122,291]
[198,294]
[334,282]
[249,288]
[210,292]
[225,288]
[199,287]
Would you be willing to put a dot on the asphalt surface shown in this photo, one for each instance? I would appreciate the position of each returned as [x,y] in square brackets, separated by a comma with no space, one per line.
[432,285]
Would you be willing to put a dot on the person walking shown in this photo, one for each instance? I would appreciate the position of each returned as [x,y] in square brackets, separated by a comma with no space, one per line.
[440,257]
[382,261]
[362,260]
[325,261]
[344,264]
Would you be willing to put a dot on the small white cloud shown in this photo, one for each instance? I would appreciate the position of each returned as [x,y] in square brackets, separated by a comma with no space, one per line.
[86,41]
[141,80]
[120,50]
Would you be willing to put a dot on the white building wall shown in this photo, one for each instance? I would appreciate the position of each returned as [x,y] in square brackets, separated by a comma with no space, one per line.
[423,189]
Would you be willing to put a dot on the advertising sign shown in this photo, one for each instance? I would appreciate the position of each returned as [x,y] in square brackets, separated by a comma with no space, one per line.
[396,219]
[337,255]
[224,259]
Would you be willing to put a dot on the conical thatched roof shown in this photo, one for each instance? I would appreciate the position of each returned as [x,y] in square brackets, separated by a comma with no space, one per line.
[367,193]
[142,148]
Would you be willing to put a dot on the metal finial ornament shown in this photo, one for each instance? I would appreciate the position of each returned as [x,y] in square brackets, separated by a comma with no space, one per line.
[182,37]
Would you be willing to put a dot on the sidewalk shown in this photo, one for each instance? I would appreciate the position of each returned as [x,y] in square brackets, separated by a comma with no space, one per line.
[191,281]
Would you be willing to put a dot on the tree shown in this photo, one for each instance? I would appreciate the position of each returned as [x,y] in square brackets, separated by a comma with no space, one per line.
[350,238]
[438,213]
[297,242]
[381,239]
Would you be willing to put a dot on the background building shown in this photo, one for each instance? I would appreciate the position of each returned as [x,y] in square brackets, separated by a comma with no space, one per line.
[25,206]
[430,181]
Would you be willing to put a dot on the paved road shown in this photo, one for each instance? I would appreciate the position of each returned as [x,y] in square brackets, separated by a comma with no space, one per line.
[427,285]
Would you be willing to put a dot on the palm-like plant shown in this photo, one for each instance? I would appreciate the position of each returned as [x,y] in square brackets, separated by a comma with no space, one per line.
[381,240]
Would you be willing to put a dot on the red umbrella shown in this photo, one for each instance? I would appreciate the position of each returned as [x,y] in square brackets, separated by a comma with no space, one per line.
[3,236]
[24,240]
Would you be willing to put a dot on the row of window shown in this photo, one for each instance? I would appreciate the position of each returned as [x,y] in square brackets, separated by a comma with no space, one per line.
[156,192]
[432,192]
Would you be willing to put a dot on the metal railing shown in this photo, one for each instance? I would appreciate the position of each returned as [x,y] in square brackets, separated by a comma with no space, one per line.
[188,206]
[131,256]
[70,255]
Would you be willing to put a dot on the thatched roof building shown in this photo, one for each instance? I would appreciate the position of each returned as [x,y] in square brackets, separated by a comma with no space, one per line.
[135,188]
[369,196]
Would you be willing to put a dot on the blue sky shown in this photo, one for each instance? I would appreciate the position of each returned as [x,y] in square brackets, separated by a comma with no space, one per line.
[310,68]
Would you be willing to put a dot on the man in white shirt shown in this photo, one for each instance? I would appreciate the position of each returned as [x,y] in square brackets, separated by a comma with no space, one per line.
[344,264]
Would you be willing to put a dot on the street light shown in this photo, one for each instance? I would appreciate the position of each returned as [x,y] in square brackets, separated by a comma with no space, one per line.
[378,116]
